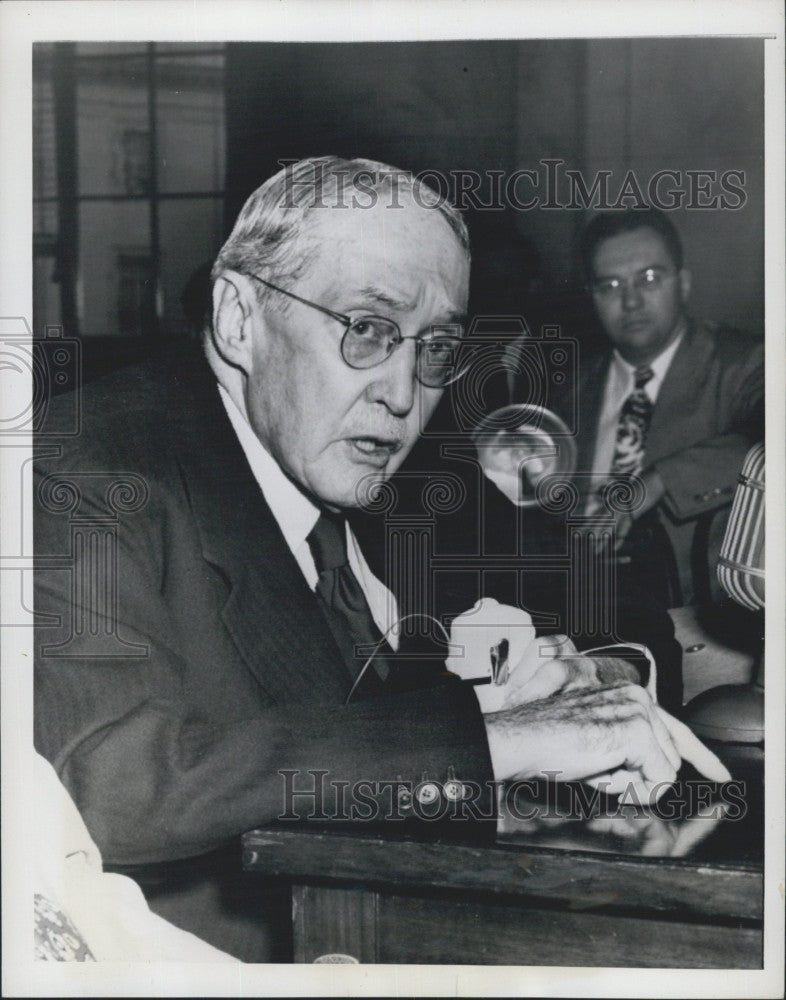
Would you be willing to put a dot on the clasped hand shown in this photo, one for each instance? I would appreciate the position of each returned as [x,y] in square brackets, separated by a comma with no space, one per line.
[580,716]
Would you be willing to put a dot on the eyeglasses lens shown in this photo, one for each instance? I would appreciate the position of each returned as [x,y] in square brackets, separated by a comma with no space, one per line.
[648,281]
[437,361]
[371,340]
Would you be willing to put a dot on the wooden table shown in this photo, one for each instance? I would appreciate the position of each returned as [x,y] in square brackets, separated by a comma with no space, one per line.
[387,898]
[398,900]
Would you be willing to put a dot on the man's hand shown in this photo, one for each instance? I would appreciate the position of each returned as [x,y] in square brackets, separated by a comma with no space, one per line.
[653,490]
[560,667]
[613,737]
[536,667]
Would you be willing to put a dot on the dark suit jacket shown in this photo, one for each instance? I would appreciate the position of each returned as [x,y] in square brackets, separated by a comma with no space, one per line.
[175,680]
[708,413]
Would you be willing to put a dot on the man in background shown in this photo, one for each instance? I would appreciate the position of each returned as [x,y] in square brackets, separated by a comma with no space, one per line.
[674,400]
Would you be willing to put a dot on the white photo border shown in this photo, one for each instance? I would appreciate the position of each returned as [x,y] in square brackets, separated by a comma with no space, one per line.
[21,24]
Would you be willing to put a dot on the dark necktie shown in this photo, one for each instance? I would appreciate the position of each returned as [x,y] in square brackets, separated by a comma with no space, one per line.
[632,428]
[343,602]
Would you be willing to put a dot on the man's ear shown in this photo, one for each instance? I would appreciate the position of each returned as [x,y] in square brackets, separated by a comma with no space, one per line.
[234,319]
[685,284]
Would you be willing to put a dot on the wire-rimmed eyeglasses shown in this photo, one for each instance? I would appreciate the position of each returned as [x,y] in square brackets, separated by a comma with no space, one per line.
[648,280]
[369,341]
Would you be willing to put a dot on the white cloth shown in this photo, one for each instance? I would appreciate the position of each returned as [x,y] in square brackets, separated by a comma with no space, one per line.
[109,911]
[296,516]
[620,383]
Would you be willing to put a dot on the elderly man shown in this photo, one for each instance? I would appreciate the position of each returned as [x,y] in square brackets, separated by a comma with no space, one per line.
[202,639]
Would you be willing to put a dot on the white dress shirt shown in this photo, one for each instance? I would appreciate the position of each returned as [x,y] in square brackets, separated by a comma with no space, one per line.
[296,516]
[620,383]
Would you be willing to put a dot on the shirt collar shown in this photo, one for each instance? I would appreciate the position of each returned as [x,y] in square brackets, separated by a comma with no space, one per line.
[659,365]
[295,513]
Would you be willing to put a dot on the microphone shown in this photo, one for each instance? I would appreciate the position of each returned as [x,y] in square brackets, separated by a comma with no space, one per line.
[741,562]
[734,713]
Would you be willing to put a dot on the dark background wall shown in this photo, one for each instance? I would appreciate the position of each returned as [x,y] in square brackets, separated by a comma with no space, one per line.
[144,153]
[616,105]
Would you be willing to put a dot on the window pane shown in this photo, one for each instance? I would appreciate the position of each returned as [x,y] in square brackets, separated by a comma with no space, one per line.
[46,295]
[113,128]
[191,128]
[191,235]
[44,163]
[115,284]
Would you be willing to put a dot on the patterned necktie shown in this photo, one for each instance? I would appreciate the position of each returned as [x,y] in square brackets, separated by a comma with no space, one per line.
[632,428]
[343,602]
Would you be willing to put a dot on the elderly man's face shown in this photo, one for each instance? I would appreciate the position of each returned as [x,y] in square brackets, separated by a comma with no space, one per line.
[641,321]
[329,425]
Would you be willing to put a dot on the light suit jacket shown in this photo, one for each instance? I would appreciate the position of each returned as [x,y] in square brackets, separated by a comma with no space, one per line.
[709,411]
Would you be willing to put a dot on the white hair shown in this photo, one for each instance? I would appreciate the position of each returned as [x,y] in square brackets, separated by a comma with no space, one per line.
[270,232]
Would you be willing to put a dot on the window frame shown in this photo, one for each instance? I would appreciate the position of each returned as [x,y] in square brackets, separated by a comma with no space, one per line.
[66,59]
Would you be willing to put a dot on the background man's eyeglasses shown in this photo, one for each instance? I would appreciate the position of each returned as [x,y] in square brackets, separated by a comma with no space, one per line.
[649,280]
[370,340]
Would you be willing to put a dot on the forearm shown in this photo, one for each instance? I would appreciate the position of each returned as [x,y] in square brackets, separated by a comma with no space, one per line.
[702,478]
[153,786]
[567,735]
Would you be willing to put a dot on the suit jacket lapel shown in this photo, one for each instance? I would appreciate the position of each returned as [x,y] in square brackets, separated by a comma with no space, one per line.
[591,386]
[271,613]
[681,387]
